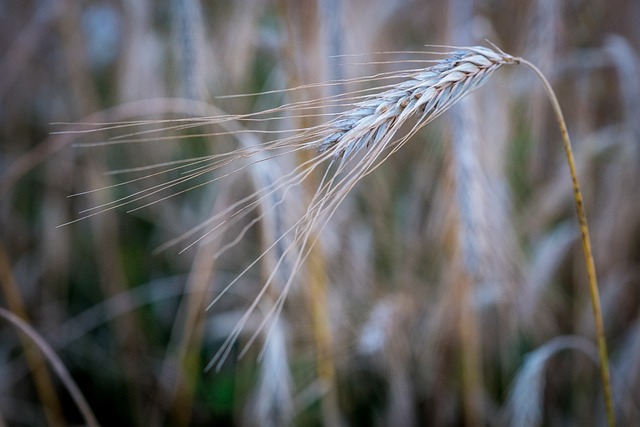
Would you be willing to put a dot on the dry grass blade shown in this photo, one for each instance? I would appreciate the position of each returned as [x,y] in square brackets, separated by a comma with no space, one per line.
[56,364]
[524,407]
[15,304]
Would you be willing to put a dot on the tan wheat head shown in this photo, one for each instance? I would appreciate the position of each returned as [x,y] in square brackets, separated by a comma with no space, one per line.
[424,96]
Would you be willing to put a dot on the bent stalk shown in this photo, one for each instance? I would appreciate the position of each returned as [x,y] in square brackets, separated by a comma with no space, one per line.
[586,246]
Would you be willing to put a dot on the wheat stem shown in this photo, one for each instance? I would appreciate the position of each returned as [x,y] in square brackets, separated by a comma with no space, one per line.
[586,246]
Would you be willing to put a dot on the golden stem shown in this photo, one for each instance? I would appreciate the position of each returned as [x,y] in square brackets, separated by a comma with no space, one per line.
[586,246]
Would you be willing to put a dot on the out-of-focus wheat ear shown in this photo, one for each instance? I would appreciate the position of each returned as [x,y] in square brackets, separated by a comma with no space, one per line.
[524,406]
[548,255]
[271,403]
[627,66]
[384,346]
[140,76]
[483,230]
[180,368]
[543,33]
[285,230]
[332,29]
[238,52]
[471,190]
[486,237]
[326,19]
[594,292]
[487,259]
[620,177]
[190,49]
[626,384]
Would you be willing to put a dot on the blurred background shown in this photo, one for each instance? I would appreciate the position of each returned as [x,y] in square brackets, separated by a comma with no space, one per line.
[449,288]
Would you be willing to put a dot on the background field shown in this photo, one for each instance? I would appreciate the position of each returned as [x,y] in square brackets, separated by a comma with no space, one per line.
[448,289]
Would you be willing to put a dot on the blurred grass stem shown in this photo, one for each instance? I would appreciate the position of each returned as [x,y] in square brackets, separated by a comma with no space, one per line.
[56,364]
[42,380]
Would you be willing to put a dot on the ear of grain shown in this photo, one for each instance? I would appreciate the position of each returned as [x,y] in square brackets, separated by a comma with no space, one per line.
[424,97]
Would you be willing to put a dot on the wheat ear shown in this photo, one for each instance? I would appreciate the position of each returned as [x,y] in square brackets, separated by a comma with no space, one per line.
[426,95]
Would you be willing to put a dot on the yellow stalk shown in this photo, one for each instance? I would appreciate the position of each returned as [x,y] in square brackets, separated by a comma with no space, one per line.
[586,246]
